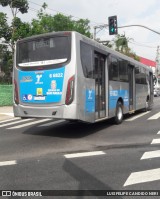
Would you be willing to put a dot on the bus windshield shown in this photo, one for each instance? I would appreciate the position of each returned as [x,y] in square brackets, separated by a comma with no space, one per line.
[43,51]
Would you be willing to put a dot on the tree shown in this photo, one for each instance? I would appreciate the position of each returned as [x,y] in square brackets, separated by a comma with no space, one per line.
[16,6]
[5,64]
[59,22]
[82,26]
[121,44]
[9,33]
[12,32]
[5,29]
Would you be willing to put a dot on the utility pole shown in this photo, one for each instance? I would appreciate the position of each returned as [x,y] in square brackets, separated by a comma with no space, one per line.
[157,61]
[101,27]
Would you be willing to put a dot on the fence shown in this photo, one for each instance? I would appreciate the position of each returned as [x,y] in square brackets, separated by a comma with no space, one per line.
[6,95]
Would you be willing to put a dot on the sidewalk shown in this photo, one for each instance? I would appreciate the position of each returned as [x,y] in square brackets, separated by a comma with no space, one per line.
[6,112]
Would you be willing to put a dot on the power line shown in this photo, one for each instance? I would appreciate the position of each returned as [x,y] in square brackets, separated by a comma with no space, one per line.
[62,12]
[142,45]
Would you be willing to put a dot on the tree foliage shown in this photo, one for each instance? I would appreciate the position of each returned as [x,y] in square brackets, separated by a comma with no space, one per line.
[59,22]
[5,29]
[16,6]
[5,64]
[10,32]
[121,45]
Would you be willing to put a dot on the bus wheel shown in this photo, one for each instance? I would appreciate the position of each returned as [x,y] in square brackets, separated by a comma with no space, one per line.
[119,113]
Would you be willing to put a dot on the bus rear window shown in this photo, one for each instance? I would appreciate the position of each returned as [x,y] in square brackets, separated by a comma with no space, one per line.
[44,51]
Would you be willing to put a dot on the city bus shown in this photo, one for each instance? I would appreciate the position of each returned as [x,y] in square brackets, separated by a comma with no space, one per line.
[66,75]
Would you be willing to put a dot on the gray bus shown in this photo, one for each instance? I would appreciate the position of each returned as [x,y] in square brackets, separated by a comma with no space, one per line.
[68,76]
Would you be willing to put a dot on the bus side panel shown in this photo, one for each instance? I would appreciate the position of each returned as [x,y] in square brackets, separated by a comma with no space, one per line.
[85,97]
[89,99]
[118,91]
[85,90]
[141,96]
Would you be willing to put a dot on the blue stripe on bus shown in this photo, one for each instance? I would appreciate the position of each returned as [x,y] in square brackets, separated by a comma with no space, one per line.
[90,101]
[114,95]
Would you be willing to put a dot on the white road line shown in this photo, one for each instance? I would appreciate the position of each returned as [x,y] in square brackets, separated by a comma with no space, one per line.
[137,116]
[85,154]
[9,114]
[52,123]
[28,124]
[155,141]
[154,117]
[3,121]
[143,176]
[16,122]
[158,133]
[7,163]
[151,154]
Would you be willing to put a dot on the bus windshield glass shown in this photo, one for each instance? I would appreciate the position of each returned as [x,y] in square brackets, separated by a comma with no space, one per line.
[43,51]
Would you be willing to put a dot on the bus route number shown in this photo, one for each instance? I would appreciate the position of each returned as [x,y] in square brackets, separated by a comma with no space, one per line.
[56,75]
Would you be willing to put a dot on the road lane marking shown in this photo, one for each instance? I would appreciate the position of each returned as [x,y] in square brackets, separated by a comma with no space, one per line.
[155,141]
[7,163]
[154,117]
[158,133]
[151,154]
[137,116]
[3,121]
[9,114]
[85,154]
[143,176]
[16,122]
[52,123]
[29,124]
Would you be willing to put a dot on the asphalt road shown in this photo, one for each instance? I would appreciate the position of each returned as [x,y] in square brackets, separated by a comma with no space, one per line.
[35,155]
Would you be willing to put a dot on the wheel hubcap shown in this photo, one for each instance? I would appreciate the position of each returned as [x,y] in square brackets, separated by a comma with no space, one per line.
[119,113]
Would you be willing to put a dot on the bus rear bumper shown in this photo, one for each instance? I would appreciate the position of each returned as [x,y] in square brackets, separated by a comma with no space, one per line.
[59,112]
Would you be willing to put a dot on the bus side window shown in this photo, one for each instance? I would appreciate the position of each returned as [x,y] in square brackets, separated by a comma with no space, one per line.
[114,69]
[123,70]
[86,59]
[137,75]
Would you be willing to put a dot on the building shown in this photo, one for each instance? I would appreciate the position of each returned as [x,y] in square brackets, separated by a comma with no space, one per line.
[148,62]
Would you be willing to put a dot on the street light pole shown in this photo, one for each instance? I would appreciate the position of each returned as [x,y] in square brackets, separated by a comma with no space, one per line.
[142,27]
[106,25]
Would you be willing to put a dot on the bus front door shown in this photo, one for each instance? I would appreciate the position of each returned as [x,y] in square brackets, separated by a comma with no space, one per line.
[100,97]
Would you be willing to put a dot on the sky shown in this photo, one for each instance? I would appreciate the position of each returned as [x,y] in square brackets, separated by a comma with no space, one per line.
[129,12]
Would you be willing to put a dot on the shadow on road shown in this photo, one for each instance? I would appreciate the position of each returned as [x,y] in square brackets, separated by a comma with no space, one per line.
[69,129]
[88,184]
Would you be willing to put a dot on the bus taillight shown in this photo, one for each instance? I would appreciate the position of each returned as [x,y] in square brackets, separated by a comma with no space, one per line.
[70,91]
[16,97]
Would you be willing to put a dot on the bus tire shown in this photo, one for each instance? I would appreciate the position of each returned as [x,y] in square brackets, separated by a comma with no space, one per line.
[119,113]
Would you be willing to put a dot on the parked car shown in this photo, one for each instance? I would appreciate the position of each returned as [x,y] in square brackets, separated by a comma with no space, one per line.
[156,92]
